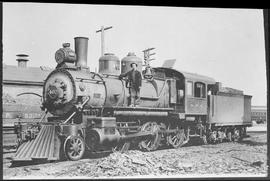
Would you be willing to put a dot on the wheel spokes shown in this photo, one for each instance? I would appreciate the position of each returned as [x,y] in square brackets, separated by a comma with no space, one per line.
[75,148]
[177,138]
[151,142]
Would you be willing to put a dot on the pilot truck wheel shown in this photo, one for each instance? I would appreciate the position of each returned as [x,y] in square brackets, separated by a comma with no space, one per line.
[74,147]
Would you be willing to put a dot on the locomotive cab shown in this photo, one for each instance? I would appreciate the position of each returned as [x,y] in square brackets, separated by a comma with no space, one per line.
[188,91]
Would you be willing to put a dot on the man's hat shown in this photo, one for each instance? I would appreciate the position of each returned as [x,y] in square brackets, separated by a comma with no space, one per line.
[133,63]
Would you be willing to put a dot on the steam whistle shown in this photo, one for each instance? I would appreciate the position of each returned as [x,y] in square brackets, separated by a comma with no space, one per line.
[147,56]
[147,73]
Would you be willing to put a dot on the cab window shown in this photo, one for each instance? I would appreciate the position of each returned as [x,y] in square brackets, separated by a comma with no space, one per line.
[199,90]
[180,97]
[189,88]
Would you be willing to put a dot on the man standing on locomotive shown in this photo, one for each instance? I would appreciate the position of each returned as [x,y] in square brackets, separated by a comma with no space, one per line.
[135,83]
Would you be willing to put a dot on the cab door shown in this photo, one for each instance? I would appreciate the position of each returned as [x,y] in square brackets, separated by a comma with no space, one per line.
[172,92]
[176,95]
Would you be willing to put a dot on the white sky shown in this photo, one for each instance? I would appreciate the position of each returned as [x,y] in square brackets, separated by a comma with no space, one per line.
[226,44]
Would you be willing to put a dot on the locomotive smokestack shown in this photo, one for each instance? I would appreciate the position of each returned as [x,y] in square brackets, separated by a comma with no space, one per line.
[81,47]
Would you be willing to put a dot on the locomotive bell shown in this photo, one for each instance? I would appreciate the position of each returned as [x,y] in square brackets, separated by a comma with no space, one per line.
[128,60]
[65,54]
[109,64]
[147,73]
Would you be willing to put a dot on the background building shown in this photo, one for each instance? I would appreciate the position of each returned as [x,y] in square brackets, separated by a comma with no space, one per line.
[20,89]
[259,114]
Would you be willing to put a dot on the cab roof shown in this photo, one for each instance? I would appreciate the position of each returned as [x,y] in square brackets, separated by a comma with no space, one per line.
[188,75]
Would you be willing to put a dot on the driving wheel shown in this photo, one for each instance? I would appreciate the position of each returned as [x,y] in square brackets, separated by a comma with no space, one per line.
[150,142]
[176,139]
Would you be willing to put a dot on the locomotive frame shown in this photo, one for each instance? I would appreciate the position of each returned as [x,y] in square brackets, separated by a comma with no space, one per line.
[91,111]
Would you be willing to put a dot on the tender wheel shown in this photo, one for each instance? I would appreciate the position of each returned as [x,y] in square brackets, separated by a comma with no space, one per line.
[212,137]
[229,136]
[204,140]
[236,135]
[176,140]
[151,142]
[74,147]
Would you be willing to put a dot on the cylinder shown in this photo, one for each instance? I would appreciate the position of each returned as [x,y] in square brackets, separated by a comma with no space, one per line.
[81,47]
[104,138]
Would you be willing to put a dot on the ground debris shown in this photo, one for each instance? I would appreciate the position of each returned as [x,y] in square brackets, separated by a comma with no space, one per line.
[138,161]
[257,163]
[225,158]
[35,168]
[26,169]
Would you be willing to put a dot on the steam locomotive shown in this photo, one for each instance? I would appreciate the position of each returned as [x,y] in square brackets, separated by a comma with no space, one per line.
[90,111]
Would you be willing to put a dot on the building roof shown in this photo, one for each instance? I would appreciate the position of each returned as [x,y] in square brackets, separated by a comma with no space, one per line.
[25,75]
[261,108]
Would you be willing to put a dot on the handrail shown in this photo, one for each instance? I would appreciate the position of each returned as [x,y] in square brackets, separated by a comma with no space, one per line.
[69,117]
[90,80]
[78,107]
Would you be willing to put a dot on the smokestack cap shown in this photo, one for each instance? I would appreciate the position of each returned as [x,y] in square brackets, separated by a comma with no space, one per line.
[22,55]
[80,37]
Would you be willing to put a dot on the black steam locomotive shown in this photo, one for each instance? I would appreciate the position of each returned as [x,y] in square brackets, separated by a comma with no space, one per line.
[91,110]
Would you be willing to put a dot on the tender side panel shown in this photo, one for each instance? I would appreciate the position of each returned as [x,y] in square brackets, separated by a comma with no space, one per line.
[227,110]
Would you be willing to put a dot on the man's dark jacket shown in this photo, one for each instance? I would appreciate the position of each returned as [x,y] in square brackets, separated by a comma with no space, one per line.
[137,82]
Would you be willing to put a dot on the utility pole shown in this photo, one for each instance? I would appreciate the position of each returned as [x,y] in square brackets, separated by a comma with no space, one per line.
[102,38]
